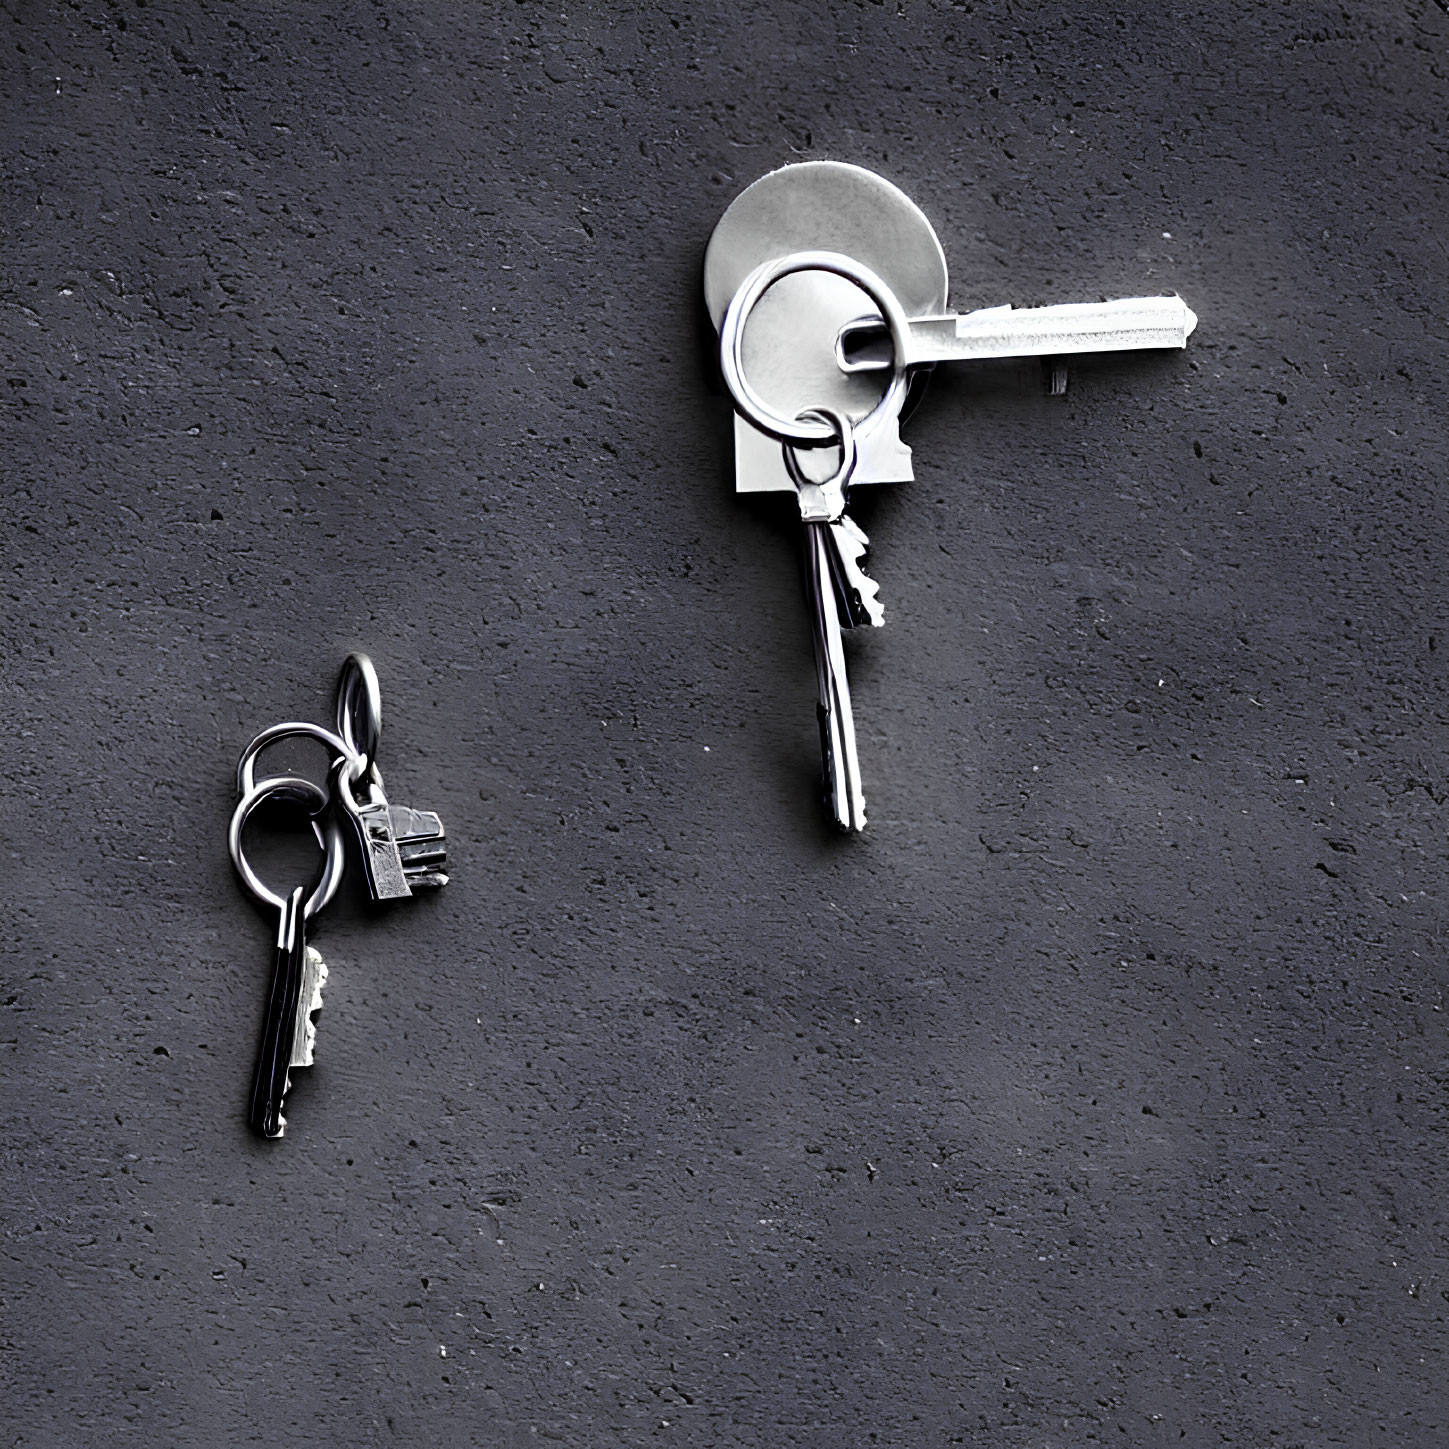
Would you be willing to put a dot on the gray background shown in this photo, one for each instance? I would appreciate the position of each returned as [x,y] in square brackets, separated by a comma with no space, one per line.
[1096,1095]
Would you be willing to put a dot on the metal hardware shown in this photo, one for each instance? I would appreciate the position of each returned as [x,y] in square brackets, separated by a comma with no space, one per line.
[298,971]
[401,850]
[791,256]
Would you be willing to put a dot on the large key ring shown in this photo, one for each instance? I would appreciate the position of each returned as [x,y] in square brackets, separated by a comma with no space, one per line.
[750,405]
[298,791]
[246,769]
[359,707]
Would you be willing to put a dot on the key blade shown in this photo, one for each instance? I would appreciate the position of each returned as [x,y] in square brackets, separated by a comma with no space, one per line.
[1129,324]
[272,1077]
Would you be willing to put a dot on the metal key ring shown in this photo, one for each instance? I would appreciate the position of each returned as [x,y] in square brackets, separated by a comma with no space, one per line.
[246,769]
[359,706]
[748,402]
[842,435]
[324,826]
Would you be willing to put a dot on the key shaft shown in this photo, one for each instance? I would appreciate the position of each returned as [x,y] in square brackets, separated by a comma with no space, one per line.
[1128,324]
[837,719]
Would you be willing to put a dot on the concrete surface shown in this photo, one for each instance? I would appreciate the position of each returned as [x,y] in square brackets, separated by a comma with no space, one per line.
[1095,1096]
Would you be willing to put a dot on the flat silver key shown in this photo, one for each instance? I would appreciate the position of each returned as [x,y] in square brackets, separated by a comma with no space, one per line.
[841,597]
[1074,327]
[289,1034]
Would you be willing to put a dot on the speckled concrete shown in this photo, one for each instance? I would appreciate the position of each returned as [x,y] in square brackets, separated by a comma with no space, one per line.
[1095,1096]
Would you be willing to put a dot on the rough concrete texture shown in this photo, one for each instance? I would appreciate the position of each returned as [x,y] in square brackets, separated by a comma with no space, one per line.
[1095,1096]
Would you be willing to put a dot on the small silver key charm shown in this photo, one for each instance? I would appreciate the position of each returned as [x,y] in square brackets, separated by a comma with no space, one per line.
[402,849]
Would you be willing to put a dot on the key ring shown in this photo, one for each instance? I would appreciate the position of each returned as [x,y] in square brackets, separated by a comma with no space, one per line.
[298,791]
[246,769]
[359,707]
[823,502]
[748,402]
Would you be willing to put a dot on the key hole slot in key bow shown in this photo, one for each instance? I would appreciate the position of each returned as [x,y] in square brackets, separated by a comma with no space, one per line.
[864,345]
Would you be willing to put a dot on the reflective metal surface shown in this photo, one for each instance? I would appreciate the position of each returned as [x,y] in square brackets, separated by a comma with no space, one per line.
[797,427]
[401,850]
[1129,324]
[841,596]
[293,790]
[355,787]
[359,706]
[788,348]
[788,256]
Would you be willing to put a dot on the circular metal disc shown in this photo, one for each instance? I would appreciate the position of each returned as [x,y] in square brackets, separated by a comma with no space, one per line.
[827,206]
[789,344]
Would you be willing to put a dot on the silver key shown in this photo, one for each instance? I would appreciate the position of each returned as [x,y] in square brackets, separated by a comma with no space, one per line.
[859,218]
[403,850]
[294,992]
[778,302]
[841,596]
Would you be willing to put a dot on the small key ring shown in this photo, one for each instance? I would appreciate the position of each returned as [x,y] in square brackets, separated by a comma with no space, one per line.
[748,402]
[246,769]
[324,826]
[842,435]
[359,707]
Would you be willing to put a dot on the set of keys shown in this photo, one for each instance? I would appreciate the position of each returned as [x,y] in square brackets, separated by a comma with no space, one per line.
[828,287]
[401,851]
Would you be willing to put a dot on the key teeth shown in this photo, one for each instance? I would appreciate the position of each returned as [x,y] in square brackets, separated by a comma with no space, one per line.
[305,1040]
[422,846]
[858,593]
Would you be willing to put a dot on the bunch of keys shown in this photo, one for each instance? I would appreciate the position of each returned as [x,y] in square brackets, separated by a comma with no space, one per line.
[401,850]
[828,287]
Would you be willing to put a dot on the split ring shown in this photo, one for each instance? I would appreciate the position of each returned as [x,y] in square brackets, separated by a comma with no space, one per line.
[294,789]
[359,707]
[842,435]
[246,769]
[748,402]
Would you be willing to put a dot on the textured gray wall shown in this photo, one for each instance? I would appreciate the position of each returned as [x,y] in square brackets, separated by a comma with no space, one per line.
[1096,1095]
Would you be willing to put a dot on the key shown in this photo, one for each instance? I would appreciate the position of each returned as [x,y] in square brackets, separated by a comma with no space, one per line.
[841,596]
[403,850]
[790,256]
[1124,325]
[294,993]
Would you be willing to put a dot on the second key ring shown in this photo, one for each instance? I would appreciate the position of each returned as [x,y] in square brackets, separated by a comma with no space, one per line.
[359,706]
[296,790]
[246,768]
